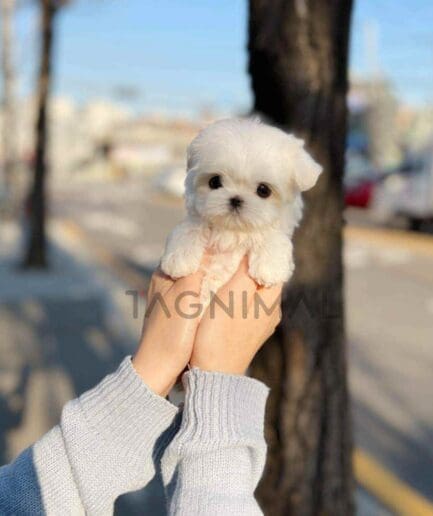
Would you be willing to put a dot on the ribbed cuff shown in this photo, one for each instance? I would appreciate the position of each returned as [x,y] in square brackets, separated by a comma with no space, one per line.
[222,408]
[125,411]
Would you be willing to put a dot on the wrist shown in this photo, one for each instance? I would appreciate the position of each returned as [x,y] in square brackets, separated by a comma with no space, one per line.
[153,375]
[221,406]
[213,364]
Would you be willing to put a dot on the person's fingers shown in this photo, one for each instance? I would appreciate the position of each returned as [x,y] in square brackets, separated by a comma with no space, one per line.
[272,291]
[191,283]
[268,335]
[160,283]
[271,296]
[277,315]
[267,302]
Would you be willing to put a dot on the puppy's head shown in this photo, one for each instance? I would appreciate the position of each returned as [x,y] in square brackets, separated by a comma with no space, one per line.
[246,175]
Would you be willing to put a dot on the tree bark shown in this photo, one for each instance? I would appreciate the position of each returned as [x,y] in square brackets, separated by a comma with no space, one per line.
[36,255]
[9,129]
[298,65]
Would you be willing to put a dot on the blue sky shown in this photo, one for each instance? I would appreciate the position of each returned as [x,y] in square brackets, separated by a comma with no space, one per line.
[186,54]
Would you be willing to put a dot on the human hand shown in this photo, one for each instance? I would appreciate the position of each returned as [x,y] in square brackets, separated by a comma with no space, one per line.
[170,325]
[227,342]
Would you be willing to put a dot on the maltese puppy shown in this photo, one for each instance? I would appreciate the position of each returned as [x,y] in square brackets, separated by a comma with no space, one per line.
[243,197]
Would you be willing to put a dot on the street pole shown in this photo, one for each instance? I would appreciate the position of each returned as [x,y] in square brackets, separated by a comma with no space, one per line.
[9,129]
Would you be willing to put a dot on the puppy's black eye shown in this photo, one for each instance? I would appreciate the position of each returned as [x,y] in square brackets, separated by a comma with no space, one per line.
[263,190]
[215,182]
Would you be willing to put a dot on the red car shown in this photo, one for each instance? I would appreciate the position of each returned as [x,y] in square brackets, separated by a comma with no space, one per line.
[359,181]
[359,195]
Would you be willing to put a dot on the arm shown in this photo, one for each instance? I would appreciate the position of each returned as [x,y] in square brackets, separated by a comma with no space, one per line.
[215,461]
[106,445]
[110,438]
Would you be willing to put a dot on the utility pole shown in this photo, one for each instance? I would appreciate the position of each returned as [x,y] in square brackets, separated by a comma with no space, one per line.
[8,104]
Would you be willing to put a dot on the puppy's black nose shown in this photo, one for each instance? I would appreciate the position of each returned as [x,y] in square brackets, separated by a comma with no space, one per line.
[236,202]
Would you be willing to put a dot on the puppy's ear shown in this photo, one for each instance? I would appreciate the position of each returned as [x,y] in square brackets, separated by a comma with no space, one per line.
[189,157]
[306,171]
[192,153]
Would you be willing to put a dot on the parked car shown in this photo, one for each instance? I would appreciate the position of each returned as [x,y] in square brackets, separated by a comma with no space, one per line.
[359,181]
[408,191]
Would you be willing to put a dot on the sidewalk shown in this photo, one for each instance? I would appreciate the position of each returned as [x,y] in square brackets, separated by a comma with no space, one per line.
[60,332]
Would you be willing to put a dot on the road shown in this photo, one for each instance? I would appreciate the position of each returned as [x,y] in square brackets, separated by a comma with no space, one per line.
[389,293]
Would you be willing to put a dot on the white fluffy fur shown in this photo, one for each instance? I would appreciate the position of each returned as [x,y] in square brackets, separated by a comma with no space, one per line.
[244,153]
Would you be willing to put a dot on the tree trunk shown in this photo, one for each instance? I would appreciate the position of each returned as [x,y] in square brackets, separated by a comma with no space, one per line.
[36,256]
[298,67]
[9,131]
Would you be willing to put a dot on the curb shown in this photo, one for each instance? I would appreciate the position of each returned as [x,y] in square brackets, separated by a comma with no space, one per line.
[420,244]
[392,492]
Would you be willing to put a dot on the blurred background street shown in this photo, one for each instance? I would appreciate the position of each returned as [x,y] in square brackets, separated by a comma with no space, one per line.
[117,150]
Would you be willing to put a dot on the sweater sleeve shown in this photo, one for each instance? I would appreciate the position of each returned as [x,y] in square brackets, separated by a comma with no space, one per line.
[216,459]
[108,442]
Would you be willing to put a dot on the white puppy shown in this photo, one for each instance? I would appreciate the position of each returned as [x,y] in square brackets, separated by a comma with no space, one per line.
[243,197]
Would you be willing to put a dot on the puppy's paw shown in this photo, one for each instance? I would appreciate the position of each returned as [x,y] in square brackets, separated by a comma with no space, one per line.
[180,263]
[268,272]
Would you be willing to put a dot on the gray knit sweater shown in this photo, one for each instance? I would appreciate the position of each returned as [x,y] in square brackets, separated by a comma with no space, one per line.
[112,438]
